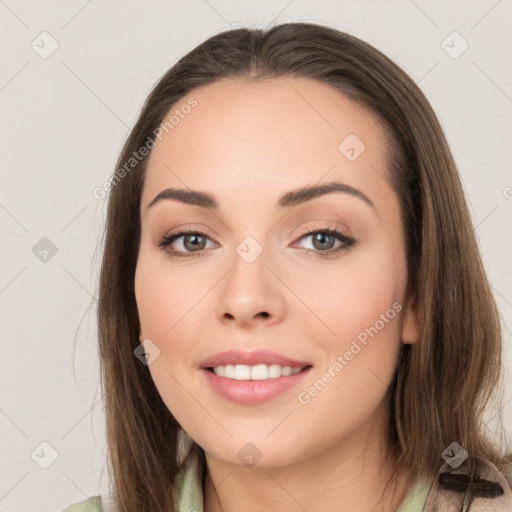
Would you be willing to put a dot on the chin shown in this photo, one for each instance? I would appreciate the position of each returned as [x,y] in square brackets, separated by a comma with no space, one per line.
[255,451]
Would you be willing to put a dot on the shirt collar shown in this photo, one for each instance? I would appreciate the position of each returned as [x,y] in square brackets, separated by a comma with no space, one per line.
[425,495]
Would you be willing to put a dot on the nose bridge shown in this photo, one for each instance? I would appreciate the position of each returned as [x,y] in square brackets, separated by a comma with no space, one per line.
[250,290]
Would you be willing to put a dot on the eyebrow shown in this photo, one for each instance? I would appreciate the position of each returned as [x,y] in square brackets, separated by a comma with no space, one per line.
[287,200]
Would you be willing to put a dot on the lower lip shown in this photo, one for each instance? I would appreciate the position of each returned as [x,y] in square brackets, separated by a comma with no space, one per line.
[252,392]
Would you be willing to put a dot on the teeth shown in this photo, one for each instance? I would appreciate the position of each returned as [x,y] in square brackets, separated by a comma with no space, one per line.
[257,372]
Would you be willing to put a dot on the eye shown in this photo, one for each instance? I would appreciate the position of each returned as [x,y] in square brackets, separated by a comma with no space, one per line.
[324,239]
[193,241]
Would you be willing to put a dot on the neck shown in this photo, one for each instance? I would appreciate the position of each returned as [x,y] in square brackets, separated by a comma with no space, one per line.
[347,476]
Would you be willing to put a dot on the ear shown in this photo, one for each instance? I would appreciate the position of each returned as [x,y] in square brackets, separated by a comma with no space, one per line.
[411,328]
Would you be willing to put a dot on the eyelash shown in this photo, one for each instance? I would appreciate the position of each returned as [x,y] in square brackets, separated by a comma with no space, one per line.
[347,241]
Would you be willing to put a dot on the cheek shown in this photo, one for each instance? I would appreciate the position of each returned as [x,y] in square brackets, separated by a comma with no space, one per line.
[350,295]
[360,306]
[155,300]
[172,307]
[165,298]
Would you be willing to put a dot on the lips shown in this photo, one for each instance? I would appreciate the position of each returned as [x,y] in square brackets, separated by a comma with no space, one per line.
[252,358]
[252,392]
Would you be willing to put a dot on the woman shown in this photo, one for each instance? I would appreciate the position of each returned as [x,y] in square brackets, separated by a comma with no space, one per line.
[335,263]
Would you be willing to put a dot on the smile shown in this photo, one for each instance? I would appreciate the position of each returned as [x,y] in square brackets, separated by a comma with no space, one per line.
[238,385]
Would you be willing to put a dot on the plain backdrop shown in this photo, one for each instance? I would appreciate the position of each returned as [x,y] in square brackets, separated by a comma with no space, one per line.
[64,119]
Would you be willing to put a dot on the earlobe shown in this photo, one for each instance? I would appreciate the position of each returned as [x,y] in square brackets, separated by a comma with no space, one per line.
[411,329]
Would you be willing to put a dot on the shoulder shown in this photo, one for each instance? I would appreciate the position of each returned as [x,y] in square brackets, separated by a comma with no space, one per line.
[91,504]
[451,490]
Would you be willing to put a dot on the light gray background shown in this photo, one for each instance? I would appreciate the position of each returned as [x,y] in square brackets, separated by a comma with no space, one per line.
[64,120]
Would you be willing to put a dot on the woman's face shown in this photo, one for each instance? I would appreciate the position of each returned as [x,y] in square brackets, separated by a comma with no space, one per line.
[255,280]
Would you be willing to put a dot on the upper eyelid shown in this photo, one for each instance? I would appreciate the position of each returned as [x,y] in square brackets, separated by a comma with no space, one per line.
[302,232]
[325,225]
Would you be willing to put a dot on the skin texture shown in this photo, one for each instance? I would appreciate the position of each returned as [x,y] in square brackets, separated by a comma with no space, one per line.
[247,144]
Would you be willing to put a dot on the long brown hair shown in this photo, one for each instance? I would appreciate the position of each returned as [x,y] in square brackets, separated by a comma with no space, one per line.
[443,383]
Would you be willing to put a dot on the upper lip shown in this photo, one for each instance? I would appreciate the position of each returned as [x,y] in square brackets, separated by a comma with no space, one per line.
[251,358]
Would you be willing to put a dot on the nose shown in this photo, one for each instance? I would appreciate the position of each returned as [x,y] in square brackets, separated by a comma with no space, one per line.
[250,295]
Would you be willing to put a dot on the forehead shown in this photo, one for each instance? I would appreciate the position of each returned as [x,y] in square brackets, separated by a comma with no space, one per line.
[273,134]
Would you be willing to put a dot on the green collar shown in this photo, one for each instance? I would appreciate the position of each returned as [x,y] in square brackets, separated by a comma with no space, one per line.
[424,495]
